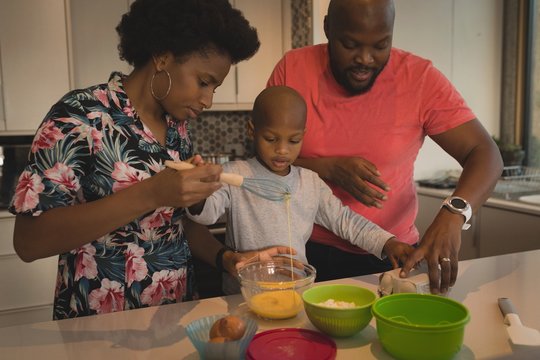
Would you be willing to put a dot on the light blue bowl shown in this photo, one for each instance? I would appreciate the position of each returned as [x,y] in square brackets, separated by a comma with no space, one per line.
[198,332]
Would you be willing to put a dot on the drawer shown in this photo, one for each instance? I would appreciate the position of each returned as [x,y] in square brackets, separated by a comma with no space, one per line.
[503,232]
[6,235]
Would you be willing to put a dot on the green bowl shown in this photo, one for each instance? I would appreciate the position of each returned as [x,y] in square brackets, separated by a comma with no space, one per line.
[420,326]
[339,322]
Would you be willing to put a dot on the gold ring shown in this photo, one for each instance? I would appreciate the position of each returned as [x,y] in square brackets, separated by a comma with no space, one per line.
[445,259]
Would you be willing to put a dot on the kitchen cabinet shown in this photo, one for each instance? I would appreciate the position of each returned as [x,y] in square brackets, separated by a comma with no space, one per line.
[33,60]
[94,44]
[498,227]
[94,47]
[27,288]
[503,231]
[247,79]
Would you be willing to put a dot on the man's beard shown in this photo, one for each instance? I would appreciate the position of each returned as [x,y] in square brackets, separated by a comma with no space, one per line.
[343,80]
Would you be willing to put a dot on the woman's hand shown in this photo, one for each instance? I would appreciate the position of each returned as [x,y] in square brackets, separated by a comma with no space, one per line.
[183,188]
[232,261]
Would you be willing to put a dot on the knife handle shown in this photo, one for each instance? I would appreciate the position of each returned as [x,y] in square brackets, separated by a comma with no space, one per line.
[506,306]
[179,165]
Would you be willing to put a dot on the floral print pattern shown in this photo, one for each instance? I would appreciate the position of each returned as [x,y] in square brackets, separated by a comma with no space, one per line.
[92,144]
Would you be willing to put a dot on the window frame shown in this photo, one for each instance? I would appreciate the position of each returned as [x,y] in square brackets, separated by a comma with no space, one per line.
[517,76]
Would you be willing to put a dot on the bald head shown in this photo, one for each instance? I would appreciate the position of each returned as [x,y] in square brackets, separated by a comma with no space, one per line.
[361,14]
[279,104]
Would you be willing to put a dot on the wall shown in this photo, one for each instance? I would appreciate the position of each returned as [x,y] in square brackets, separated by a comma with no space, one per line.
[463,38]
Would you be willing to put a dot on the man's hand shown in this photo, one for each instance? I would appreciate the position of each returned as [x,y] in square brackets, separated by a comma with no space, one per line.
[439,247]
[361,179]
[355,175]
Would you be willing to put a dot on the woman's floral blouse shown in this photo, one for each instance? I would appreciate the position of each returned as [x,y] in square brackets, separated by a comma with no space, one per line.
[90,145]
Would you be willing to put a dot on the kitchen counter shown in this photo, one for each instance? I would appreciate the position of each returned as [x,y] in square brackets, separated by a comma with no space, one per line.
[159,332]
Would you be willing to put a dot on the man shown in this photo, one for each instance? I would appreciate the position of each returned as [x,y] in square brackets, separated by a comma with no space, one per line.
[370,107]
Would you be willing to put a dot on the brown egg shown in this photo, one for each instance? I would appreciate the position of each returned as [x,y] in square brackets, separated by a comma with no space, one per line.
[230,327]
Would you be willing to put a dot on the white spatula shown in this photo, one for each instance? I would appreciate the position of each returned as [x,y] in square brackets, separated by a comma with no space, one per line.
[519,334]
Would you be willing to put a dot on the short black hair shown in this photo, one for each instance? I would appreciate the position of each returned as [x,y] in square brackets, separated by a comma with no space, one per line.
[154,27]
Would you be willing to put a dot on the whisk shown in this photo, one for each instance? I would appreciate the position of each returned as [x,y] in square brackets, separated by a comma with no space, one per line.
[273,190]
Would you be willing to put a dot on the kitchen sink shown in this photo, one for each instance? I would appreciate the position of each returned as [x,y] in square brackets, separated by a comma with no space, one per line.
[530,199]
[517,193]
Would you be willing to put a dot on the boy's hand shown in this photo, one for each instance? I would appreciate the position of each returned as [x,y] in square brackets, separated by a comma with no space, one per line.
[397,251]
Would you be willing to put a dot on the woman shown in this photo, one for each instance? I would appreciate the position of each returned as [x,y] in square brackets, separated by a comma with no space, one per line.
[95,190]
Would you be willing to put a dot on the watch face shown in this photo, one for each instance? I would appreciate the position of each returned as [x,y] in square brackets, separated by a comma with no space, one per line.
[458,203]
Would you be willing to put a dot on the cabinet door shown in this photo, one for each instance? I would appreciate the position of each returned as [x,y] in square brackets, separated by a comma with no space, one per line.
[226,93]
[94,40]
[27,285]
[503,231]
[24,285]
[33,47]
[7,224]
[266,16]
[248,78]
[428,207]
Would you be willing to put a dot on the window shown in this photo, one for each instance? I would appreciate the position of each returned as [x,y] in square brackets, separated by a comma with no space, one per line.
[531,116]
[520,112]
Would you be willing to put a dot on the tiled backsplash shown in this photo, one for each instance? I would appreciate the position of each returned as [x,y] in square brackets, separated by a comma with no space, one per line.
[221,131]
[301,23]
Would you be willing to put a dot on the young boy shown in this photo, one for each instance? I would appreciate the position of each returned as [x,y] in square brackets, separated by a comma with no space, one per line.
[277,128]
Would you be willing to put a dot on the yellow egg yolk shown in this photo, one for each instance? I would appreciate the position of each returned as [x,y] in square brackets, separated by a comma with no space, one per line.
[281,304]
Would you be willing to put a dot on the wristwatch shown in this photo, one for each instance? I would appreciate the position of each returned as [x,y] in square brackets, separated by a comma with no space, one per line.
[458,205]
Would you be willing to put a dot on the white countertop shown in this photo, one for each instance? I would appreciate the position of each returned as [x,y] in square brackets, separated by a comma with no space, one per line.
[159,332]
[512,205]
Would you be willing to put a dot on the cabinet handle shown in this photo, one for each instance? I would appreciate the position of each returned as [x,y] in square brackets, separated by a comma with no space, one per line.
[236,81]
[2,113]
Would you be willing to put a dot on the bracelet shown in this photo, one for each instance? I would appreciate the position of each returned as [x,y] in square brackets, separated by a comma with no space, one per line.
[219,258]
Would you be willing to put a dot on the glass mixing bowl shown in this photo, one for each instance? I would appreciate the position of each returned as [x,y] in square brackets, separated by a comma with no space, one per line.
[273,289]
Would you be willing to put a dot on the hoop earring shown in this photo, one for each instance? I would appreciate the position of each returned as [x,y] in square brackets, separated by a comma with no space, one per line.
[152,86]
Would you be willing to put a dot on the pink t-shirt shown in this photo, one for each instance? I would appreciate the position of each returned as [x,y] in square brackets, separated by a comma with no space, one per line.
[387,126]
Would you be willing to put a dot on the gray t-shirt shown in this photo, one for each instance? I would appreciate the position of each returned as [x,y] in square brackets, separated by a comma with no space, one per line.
[254,223]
